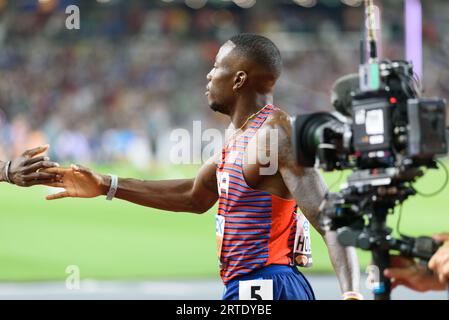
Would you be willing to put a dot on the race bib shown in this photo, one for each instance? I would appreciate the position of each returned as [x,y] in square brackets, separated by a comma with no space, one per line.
[302,251]
[219,232]
[223,183]
[256,290]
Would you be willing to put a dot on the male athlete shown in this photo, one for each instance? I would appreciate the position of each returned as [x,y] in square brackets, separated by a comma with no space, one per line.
[256,220]
[23,171]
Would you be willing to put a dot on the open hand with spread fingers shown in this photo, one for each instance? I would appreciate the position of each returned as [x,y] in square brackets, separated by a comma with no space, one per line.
[78,182]
[25,170]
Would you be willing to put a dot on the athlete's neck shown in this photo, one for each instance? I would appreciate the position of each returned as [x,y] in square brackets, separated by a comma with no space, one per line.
[244,108]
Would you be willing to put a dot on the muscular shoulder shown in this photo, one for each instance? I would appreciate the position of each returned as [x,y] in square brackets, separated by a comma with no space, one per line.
[277,130]
[278,127]
[279,119]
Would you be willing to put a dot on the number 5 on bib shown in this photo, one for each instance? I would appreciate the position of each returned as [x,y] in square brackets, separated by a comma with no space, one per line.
[256,290]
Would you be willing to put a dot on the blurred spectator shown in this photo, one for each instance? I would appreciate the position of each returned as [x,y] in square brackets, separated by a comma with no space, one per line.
[113,90]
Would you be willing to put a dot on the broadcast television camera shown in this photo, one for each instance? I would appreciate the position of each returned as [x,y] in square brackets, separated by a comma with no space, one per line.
[386,133]
[389,127]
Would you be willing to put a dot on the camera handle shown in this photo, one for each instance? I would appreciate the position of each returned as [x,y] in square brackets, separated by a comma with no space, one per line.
[377,239]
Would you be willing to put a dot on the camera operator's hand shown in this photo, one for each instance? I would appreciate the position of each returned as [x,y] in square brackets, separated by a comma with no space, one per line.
[404,271]
[439,263]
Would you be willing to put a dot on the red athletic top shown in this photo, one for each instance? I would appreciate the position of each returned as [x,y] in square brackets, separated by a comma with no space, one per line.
[254,228]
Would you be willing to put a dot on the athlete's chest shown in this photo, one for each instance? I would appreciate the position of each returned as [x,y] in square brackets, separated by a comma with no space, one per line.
[239,171]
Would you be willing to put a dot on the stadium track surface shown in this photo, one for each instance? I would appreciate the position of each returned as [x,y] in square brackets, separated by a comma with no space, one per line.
[326,287]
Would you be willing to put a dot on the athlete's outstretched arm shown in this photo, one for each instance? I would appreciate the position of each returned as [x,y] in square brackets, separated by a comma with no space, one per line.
[308,188]
[187,195]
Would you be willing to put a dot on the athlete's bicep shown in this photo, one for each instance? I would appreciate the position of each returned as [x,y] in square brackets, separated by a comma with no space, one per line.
[308,188]
[205,191]
[306,185]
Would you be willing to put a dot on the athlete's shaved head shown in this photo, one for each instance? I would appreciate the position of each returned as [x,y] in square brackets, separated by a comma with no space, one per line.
[260,50]
[246,65]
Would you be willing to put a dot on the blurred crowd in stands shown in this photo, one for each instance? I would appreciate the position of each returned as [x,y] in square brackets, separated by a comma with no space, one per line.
[116,88]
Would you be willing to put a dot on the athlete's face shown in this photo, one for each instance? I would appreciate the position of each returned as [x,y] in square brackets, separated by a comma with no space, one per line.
[220,93]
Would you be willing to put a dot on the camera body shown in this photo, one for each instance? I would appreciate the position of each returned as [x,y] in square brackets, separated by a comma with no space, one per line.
[389,127]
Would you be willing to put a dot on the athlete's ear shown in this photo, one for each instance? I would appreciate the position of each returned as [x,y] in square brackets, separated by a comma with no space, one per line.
[241,77]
